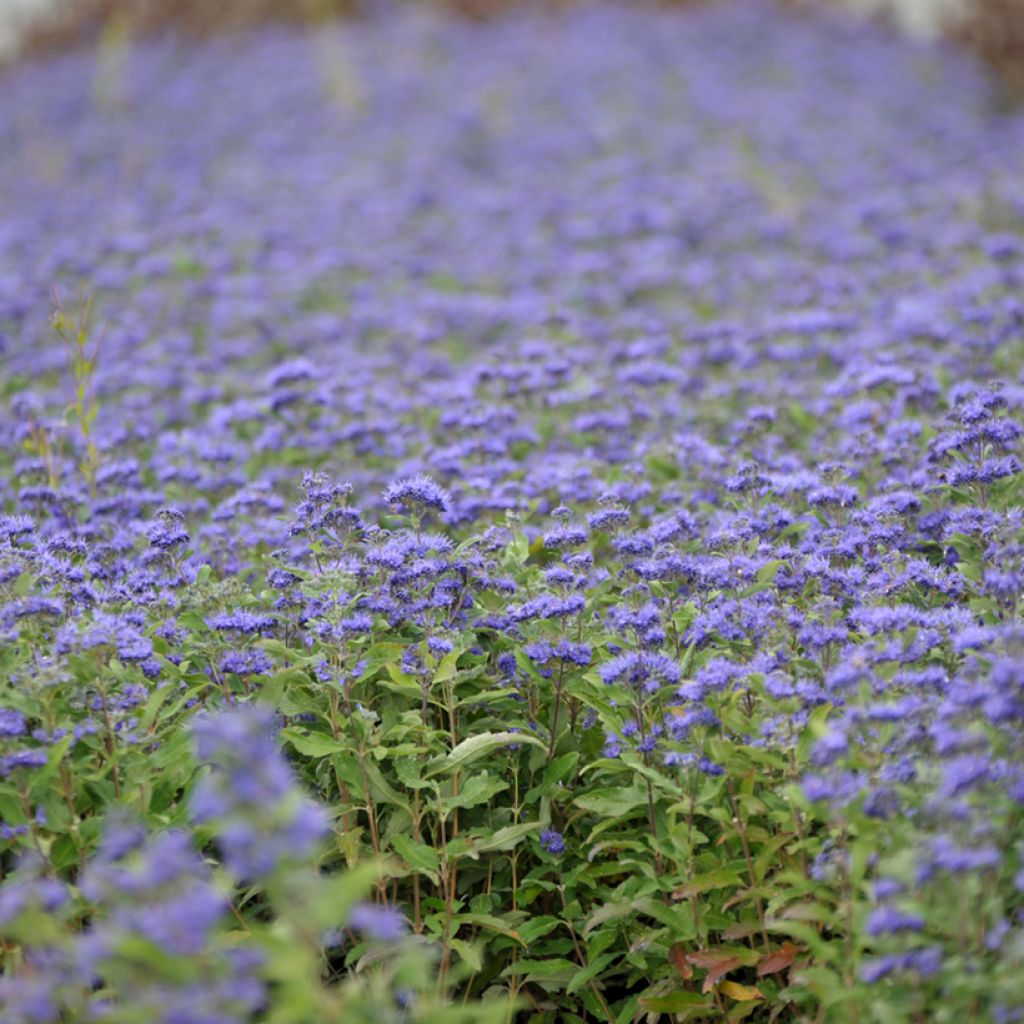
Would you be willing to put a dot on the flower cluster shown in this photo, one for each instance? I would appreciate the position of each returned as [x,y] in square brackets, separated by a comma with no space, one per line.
[249,797]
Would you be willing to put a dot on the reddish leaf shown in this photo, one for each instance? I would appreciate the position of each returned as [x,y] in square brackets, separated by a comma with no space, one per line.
[708,958]
[777,961]
[679,961]
[720,970]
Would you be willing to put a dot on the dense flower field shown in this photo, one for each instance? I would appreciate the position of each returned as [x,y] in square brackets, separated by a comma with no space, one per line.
[512,522]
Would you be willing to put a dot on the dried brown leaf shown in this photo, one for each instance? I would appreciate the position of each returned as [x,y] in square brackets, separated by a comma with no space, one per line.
[777,961]
[678,957]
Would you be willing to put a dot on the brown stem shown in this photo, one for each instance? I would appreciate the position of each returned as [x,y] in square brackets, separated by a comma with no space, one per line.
[558,704]
[652,820]
[741,828]
[417,924]
[447,881]
[108,738]
[343,790]
[369,806]
[581,957]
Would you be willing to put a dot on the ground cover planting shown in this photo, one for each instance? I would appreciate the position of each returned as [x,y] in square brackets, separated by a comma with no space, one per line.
[512,522]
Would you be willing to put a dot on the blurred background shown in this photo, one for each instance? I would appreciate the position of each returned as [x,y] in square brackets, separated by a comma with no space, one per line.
[994,29]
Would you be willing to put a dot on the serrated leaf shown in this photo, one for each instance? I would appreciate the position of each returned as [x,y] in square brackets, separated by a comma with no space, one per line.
[398,681]
[381,789]
[746,956]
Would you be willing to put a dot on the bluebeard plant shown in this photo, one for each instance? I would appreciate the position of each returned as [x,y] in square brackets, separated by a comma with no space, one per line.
[523,518]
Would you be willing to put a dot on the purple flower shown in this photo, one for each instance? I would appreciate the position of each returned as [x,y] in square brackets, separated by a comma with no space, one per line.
[612,745]
[888,920]
[644,670]
[28,889]
[552,841]
[380,924]
[417,493]
[12,722]
[926,961]
[250,797]
[565,537]
[168,531]
[241,621]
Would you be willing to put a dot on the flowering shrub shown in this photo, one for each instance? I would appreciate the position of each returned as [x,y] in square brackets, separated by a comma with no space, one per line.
[537,534]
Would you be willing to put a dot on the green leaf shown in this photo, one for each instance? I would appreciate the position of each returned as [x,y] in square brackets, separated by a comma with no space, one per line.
[491,924]
[399,682]
[41,777]
[446,669]
[312,744]
[193,621]
[613,803]
[552,968]
[156,699]
[381,789]
[719,879]
[468,953]
[768,571]
[417,855]
[475,747]
[581,978]
[560,769]
[612,910]
[505,838]
[477,789]
[281,650]
[537,927]
[410,774]
[768,855]
[676,1002]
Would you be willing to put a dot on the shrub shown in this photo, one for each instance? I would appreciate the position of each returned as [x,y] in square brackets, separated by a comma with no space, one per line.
[556,554]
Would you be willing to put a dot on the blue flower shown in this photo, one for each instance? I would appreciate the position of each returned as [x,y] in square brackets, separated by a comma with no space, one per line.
[381,924]
[552,841]
[888,920]
[418,494]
